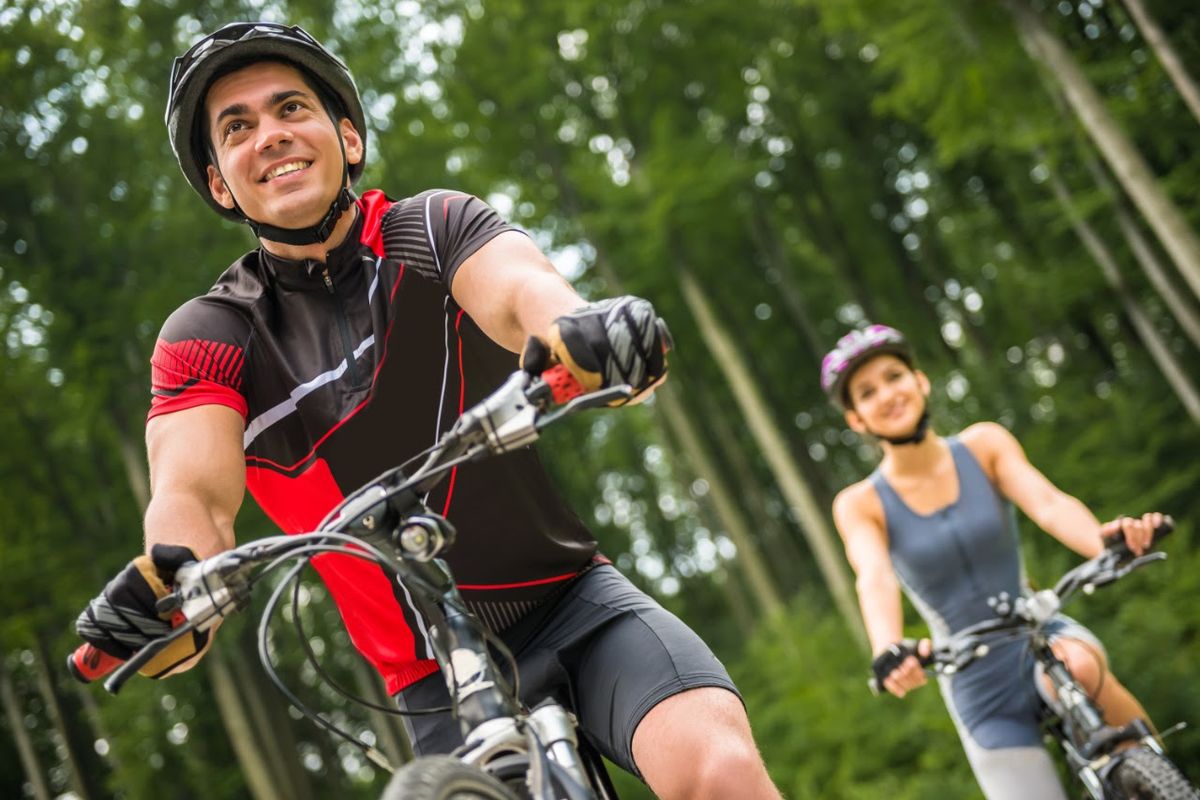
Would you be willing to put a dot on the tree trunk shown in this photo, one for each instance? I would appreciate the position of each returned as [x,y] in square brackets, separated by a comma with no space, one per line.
[775,257]
[91,712]
[684,432]
[1184,313]
[754,570]
[393,742]
[1123,159]
[54,710]
[133,458]
[1153,342]
[25,749]
[781,548]
[1166,55]
[771,441]
[268,713]
[242,736]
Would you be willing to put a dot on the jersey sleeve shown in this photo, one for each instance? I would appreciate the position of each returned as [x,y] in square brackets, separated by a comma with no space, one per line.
[198,360]
[436,231]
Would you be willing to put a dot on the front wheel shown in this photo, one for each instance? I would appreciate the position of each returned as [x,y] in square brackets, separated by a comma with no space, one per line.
[1145,775]
[443,778]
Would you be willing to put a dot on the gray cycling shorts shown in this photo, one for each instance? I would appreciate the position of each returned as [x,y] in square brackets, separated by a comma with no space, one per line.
[604,649]
[994,704]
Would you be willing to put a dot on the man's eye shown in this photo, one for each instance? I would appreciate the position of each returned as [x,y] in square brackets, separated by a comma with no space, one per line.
[234,127]
[292,107]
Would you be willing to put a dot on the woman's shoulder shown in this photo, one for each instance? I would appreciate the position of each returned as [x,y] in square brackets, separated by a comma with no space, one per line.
[859,500]
[985,441]
[988,435]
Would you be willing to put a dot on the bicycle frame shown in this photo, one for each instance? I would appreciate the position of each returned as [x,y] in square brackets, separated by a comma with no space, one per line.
[386,522]
[1088,743]
[1093,749]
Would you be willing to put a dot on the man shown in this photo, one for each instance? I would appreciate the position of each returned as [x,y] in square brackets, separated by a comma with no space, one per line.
[346,342]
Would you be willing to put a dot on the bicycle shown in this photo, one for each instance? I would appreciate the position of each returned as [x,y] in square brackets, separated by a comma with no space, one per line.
[510,751]
[1125,763]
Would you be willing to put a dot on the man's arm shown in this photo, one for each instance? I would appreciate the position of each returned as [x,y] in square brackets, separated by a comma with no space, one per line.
[512,291]
[197,478]
[197,482]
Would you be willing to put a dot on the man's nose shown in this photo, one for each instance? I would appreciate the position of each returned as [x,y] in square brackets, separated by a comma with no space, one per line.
[271,133]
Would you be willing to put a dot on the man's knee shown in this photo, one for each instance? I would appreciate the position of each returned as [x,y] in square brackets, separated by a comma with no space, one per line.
[697,744]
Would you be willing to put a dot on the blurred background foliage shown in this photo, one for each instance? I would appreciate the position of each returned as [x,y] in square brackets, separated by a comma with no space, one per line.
[1014,184]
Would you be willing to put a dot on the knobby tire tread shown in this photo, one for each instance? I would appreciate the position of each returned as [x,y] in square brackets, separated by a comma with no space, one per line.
[444,778]
[1145,775]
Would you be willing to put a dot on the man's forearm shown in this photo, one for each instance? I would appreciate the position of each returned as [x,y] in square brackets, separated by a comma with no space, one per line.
[185,520]
[545,298]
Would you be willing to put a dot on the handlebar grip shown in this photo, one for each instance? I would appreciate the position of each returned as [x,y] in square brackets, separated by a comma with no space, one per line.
[88,664]
[1116,541]
[563,385]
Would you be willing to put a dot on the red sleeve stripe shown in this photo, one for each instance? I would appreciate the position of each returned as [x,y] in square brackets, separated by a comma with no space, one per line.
[176,362]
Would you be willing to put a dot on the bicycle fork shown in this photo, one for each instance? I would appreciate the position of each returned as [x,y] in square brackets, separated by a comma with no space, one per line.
[1089,743]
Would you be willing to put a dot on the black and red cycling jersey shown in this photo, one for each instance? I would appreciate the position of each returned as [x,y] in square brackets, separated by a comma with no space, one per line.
[346,368]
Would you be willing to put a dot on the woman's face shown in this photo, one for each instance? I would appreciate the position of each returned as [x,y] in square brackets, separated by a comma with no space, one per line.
[887,397]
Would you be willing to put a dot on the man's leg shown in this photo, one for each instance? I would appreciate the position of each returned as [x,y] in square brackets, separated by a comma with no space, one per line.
[652,696]
[697,744]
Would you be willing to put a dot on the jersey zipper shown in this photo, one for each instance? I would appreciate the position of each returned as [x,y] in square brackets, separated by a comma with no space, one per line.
[343,326]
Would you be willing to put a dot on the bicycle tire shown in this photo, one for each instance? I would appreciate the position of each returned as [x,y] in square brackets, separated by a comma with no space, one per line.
[443,778]
[1145,775]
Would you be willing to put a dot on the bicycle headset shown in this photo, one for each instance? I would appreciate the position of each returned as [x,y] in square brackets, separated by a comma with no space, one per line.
[239,44]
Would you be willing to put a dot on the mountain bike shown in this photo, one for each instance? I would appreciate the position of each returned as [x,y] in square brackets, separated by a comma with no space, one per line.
[510,751]
[1111,763]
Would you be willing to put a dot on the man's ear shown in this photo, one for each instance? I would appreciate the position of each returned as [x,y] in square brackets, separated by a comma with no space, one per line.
[855,421]
[218,189]
[352,141]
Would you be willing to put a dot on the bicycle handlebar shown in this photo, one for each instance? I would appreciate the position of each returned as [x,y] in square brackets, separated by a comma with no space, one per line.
[511,417]
[967,645]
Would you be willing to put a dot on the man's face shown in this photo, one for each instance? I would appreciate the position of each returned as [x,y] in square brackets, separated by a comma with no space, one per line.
[276,146]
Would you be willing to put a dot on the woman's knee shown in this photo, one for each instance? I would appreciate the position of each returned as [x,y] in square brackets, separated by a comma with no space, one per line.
[1085,664]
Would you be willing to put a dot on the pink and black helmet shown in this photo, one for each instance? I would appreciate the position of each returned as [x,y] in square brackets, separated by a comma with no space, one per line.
[852,350]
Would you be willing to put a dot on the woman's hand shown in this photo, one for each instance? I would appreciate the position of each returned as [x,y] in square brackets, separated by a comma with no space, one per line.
[1138,531]
[909,675]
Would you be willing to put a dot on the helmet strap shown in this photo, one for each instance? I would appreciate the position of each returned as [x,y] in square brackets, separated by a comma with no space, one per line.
[916,437]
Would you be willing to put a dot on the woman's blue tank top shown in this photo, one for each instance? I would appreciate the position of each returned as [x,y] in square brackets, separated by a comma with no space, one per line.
[951,561]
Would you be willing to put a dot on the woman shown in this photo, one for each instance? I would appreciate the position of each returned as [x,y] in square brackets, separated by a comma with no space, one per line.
[936,519]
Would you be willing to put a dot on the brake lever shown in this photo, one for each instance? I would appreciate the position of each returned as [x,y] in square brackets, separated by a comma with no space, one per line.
[142,657]
[1116,572]
[205,592]
[596,399]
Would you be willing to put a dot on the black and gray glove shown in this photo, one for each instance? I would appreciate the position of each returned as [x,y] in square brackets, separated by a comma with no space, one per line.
[613,342]
[891,658]
[124,618]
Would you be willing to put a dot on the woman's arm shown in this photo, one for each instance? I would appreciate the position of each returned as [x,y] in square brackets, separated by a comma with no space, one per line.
[1059,514]
[878,590]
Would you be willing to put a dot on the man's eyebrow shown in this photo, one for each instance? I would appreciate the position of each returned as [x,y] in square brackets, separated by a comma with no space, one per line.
[232,111]
[286,94]
[274,100]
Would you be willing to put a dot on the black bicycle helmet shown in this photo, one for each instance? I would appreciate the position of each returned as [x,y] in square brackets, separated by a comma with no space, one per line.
[242,42]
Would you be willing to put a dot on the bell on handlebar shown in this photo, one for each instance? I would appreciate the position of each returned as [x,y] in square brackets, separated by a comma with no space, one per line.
[425,536]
